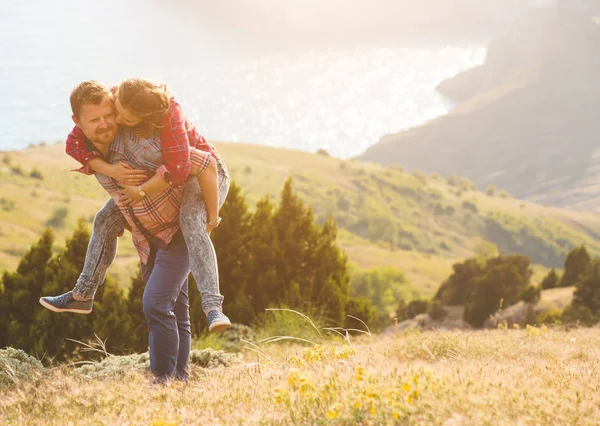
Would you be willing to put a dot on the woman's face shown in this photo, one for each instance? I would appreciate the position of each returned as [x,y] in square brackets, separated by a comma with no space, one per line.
[124,116]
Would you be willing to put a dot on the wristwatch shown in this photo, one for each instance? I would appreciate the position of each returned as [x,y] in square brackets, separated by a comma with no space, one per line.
[215,223]
[141,192]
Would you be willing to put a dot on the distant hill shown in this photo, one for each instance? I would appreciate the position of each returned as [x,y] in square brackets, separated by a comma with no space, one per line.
[419,223]
[526,120]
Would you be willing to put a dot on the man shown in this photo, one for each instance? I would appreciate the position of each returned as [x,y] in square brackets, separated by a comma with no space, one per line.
[154,227]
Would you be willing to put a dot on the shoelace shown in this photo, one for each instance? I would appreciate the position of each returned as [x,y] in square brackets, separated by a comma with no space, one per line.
[64,298]
[213,315]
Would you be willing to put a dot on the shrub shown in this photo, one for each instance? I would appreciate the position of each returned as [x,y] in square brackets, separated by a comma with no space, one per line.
[16,365]
[383,287]
[209,358]
[414,308]
[362,307]
[57,220]
[17,170]
[437,311]
[36,174]
[7,205]
[551,317]
[287,323]
[343,204]
[531,294]
[453,180]
[500,283]
[421,177]
[231,338]
[114,366]
[550,280]
[579,313]
[470,205]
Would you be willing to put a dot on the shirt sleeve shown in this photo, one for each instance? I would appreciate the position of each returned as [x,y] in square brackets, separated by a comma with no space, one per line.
[77,147]
[175,147]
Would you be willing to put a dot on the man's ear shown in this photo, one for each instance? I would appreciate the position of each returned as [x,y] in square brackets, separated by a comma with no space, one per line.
[75,120]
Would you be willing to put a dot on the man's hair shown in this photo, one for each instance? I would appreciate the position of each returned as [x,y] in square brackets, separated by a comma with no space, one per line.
[87,92]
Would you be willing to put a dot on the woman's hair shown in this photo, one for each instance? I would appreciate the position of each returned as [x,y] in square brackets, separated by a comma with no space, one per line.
[147,100]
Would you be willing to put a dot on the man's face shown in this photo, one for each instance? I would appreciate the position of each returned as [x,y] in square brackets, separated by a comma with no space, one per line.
[98,122]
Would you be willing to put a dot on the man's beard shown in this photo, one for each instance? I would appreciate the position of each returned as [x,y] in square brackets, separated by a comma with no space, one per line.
[105,137]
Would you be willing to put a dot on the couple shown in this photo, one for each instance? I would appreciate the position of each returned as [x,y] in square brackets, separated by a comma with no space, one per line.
[166,185]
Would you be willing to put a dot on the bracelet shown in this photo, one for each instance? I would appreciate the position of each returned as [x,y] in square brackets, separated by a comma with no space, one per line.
[215,223]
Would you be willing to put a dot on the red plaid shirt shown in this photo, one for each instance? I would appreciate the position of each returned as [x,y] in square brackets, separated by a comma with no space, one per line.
[177,136]
[156,216]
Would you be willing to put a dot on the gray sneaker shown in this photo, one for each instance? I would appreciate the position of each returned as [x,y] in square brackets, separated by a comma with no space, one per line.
[217,321]
[66,303]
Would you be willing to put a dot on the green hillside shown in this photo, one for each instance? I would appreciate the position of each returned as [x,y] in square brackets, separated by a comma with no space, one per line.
[387,217]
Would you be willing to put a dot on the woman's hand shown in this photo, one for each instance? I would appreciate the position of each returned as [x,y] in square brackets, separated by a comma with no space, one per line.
[127,175]
[130,194]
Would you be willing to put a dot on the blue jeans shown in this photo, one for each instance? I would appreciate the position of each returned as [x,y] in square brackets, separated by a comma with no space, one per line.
[167,309]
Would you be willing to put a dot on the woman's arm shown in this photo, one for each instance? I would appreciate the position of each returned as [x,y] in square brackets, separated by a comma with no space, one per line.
[175,147]
[93,161]
[121,172]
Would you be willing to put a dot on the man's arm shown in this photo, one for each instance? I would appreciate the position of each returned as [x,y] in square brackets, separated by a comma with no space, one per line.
[76,147]
[131,193]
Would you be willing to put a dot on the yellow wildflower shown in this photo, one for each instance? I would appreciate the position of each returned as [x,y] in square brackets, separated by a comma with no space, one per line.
[278,394]
[360,371]
[333,412]
[293,378]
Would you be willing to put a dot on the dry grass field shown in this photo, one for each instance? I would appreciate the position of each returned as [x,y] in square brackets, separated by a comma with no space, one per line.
[535,376]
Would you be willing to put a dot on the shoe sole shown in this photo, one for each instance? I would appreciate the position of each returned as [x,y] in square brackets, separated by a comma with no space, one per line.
[219,326]
[55,309]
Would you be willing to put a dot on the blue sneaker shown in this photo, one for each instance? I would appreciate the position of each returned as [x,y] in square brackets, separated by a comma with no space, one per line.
[66,303]
[217,321]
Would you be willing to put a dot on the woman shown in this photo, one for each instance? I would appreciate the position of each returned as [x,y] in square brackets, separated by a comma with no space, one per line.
[149,109]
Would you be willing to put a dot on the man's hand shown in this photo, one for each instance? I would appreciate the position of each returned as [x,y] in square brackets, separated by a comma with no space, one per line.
[130,194]
[127,175]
